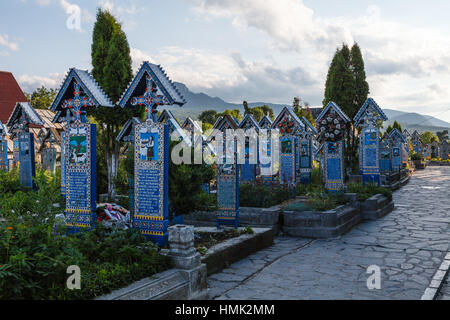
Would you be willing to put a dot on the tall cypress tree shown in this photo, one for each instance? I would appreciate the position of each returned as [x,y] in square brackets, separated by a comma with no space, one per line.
[347,86]
[330,79]
[111,63]
[359,74]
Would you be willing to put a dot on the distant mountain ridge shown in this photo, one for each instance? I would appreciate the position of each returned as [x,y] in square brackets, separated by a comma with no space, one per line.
[198,102]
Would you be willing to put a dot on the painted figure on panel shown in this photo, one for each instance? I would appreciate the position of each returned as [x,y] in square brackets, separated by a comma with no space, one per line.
[286,146]
[149,146]
[78,150]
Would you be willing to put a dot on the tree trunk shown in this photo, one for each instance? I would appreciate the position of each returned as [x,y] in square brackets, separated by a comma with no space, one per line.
[112,163]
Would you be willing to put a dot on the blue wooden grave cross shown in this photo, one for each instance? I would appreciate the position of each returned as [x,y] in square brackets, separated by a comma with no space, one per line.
[150,99]
[77,103]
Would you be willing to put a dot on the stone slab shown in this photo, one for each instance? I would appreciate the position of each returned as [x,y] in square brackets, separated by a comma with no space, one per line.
[224,254]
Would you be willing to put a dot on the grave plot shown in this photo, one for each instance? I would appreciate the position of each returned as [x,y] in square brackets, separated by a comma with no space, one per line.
[289,127]
[332,124]
[78,92]
[227,171]
[267,160]
[19,123]
[306,142]
[151,88]
[250,169]
[369,118]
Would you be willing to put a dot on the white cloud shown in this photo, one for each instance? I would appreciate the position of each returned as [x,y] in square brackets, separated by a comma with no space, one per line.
[231,77]
[126,11]
[403,61]
[29,83]
[4,41]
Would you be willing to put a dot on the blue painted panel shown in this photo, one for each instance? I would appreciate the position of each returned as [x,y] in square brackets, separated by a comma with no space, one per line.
[228,195]
[396,159]
[370,157]
[334,169]
[288,164]
[248,173]
[385,165]
[80,174]
[63,163]
[151,191]
[4,155]
[26,159]
[287,169]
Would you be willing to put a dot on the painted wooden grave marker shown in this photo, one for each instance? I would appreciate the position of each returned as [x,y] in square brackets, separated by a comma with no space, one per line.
[227,173]
[78,92]
[289,127]
[368,118]
[151,88]
[19,123]
[332,123]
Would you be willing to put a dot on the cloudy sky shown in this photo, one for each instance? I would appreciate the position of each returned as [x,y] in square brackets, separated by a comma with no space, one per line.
[255,50]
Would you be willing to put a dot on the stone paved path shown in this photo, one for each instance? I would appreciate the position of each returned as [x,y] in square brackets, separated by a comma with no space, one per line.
[408,245]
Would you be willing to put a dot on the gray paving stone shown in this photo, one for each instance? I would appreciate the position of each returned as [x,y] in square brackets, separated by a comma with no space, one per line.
[409,246]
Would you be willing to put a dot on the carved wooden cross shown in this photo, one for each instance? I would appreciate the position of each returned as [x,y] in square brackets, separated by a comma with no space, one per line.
[77,103]
[150,99]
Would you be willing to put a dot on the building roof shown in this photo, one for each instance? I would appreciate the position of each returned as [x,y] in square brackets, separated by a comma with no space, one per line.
[47,117]
[188,122]
[396,135]
[25,109]
[290,112]
[315,112]
[309,125]
[89,86]
[124,134]
[138,85]
[10,94]
[265,123]
[370,106]
[335,107]
[249,122]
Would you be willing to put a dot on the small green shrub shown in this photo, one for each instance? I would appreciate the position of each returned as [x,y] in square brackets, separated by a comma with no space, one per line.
[416,157]
[262,196]
[316,184]
[322,201]
[368,191]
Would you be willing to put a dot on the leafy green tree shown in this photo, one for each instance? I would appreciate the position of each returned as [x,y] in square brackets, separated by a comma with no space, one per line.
[185,187]
[268,111]
[257,112]
[346,85]
[397,126]
[111,63]
[208,116]
[389,129]
[42,98]
[236,113]
[359,74]
[428,137]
